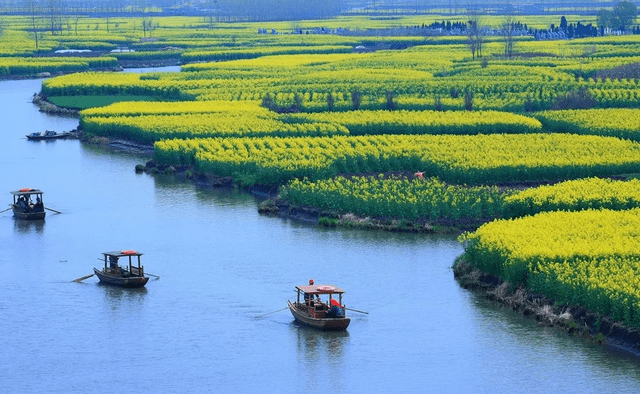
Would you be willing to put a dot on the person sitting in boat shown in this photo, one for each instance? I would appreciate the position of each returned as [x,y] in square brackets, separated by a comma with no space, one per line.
[336,309]
[113,263]
[22,204]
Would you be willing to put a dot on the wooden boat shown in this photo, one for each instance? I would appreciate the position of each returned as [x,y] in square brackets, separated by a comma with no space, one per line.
[24,207]
[115,275]
[312,310]
[48,135]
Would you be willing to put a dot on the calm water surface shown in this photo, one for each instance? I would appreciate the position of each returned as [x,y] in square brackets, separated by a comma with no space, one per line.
[222,264]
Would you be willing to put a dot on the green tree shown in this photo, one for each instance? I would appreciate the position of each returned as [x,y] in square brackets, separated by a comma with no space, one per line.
[54,9]
[330,102]
[356,98]
[147,26]
[563,23]
[35,19]
[624,13]
[604,19]
[507,28]
[475,35]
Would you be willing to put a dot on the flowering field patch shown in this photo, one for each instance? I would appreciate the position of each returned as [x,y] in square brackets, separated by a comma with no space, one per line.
[615,122]
[477,159]
[588,258]
[575,195]
[399,198]
[112,83]
[177,108]
[151,121]
[32,66]
[150,128]
[427,122]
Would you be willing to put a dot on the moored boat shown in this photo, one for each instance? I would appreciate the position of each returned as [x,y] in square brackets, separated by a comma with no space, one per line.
[24,207]
[127,276]
[312,310]
[48,135]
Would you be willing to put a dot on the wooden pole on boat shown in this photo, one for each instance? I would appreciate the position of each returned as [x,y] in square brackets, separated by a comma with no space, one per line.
[83,278]
[6,209]
[272,312]
[146,273]
[355,310]
[52,210]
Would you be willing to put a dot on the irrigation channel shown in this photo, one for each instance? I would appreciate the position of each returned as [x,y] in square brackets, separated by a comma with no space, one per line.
[221,264]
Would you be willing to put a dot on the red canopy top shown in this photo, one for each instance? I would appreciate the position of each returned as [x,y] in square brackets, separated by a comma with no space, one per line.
[122,253]
[321,289]
[26,191]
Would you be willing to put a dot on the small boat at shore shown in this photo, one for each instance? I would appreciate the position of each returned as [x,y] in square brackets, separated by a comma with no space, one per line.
[313,311]
[24,207]
[127,276]
[47,135]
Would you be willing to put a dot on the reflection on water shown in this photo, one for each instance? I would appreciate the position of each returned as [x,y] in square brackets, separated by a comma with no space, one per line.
[322,356]
[28,226]
[313,344]
[543,344]
[161,69]
[169,187]
[121,297]
[224,196]
[97,151]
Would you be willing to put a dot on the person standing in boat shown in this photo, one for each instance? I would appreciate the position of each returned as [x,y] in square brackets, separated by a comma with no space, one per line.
[309,297]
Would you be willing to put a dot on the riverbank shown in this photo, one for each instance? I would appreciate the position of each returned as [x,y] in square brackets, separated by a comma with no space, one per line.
[50,108]
[122,65]
[276,206]
[273,205]
[47,74]
[575,321]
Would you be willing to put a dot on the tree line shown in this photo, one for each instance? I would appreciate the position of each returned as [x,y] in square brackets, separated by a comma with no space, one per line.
[219,10]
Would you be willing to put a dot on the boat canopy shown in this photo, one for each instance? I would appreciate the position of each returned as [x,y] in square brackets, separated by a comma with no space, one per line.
[26,192]
[320,289]
[122,253]
[111,261]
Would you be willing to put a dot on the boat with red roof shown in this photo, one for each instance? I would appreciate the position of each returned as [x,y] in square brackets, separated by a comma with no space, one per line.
[24,207]
[127,276]
[320,306]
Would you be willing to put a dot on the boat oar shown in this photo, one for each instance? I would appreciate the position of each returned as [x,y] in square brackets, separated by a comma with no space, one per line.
[355,310]
[272,312]
[83,278]
[6,209]
[52,210]
[152,275]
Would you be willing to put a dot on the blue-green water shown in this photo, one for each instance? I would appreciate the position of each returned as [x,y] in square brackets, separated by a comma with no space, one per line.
[222,264]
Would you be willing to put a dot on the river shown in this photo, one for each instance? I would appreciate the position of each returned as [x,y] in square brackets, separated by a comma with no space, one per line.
[221,264]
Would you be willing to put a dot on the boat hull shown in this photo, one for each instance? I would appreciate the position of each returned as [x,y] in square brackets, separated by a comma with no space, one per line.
[332,324]
[37,215]
[120,281]
[43,137]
